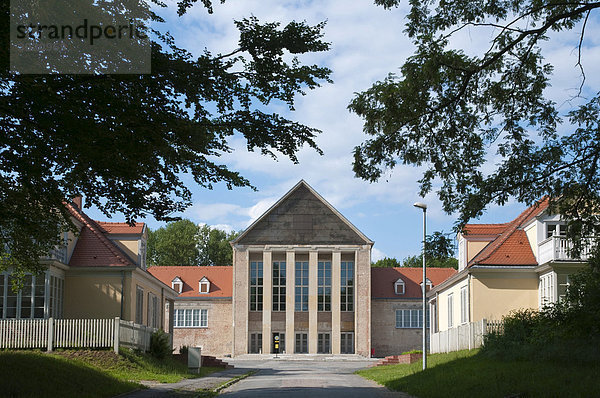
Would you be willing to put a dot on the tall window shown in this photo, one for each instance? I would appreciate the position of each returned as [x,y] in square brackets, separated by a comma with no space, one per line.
[324,286]
[57,289]
[347,286]
[347,343]
[255,343]
[191,318]
[256,286]
[464,305]
[301,286]
[324,343]
[411,319]
[139,305]
[279,275]
[152,311]
[30,302]
[450,310]
[301,343]
[546,290]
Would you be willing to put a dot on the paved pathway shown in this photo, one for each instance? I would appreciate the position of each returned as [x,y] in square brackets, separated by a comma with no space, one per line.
[313,377]
[185,387]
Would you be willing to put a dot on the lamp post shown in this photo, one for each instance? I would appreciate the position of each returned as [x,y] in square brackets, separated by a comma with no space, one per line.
[423,207]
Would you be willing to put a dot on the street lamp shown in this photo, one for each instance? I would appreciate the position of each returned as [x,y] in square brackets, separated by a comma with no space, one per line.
[423,207]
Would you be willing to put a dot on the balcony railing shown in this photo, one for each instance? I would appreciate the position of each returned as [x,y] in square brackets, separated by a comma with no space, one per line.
[556,248]
[58,253]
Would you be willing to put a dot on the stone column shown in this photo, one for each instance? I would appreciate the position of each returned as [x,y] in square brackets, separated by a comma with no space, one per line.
[312,301]
[336,318]
[362,309]
[267,301]
[290,272]
[241,280]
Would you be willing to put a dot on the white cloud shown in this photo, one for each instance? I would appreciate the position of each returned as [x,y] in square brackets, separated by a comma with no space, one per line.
[368,42]
[377,254]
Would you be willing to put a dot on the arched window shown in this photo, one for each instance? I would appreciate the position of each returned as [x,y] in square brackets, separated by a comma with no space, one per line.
[399,287]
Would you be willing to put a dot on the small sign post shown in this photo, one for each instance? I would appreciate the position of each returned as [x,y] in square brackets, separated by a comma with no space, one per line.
[276,346]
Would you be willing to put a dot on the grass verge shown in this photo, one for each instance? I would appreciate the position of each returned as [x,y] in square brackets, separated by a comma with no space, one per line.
[84,373]
[471,374]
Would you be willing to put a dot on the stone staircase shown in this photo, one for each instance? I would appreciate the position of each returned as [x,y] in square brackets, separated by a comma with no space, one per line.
[208,360]
[396,359]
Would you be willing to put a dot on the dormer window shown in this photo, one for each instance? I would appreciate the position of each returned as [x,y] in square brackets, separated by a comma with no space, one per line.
[429,285]
[204,286]
[177,284]
[399,287]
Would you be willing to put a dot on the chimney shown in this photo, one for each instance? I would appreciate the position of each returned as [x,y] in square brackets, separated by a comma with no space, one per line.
[78,201]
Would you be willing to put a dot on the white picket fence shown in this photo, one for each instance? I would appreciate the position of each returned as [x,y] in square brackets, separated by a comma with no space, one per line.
[74,333]
[463,337]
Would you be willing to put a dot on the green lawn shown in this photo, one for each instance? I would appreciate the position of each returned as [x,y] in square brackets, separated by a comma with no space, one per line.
[83,373]
[470,374]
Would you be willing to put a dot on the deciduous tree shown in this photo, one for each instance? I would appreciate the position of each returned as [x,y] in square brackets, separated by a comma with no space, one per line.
[124,141]
[450,110]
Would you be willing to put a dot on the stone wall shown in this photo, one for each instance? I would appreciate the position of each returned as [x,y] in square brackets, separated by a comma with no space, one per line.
[387,339]
[216,339]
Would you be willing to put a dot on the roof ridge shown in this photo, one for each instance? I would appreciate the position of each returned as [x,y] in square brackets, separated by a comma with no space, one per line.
[96,230]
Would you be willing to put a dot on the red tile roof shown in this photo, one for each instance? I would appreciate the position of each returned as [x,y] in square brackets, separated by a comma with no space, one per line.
[383,280]
[511,247]
[484,229]
[121,228]
[93,248]
[221,279]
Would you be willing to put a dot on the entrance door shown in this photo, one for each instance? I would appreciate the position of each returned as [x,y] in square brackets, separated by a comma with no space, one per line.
[281,348]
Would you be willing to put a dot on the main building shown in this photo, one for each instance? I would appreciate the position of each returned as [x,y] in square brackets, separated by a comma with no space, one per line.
[301,273]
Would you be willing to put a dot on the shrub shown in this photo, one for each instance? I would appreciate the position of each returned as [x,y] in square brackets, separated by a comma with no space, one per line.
[160,346]
[566,330]
[183,350]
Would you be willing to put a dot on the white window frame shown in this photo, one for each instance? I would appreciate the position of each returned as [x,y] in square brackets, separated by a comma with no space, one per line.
[429,284]
[464,305]
[547,289]
[139,305]
[204,282]
[411,318]
[397,284]
[177,281]
[450,310]
[196,318]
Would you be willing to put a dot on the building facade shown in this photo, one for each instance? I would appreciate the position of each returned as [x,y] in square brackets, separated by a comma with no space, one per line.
[301,274]
[522,264]
[99,272]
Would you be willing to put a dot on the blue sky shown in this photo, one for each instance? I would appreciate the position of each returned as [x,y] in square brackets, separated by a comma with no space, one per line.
[367,43]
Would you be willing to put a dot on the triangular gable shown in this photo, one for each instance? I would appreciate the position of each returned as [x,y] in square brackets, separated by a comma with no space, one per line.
[302,217]
[93,248]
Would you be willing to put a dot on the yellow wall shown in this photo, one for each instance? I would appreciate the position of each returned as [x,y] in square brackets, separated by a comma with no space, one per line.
[473,248]
[130,247]
[531,232]
[145,281]
[442,303]
[92,295]
[495,295]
